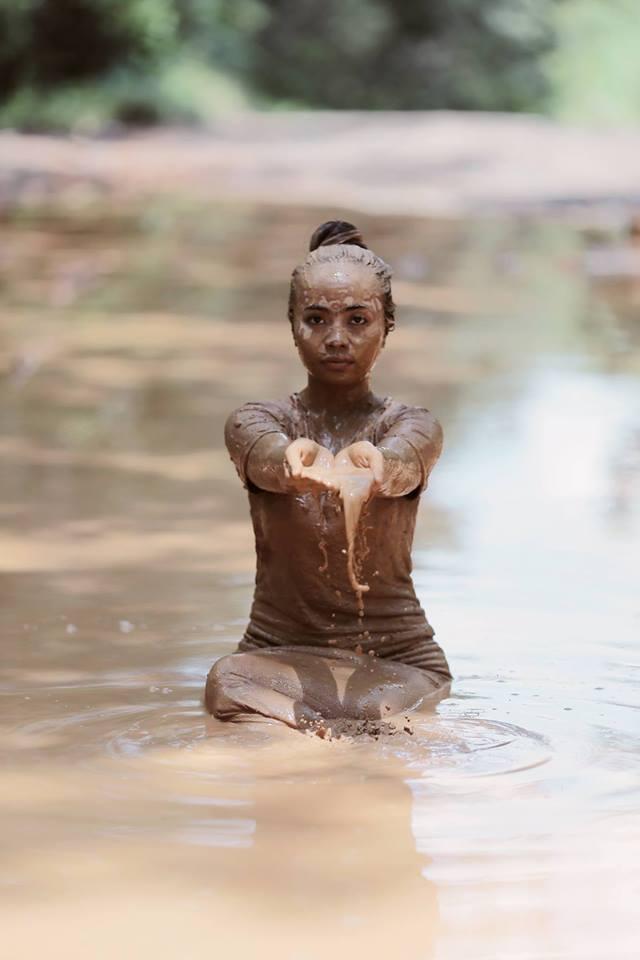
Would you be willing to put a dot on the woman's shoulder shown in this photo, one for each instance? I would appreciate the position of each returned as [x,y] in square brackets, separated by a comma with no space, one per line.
[394,411]
[256,413]
[418,427]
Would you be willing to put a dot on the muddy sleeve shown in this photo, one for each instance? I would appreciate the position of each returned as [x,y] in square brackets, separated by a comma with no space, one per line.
[418,429]
[245,426]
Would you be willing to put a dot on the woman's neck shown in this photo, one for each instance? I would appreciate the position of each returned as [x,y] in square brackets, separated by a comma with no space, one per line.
[319,396]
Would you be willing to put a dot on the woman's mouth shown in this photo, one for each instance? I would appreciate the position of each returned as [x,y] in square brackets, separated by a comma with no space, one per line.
[337,363]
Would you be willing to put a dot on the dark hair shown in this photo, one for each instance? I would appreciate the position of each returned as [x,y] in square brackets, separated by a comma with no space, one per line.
[337,240]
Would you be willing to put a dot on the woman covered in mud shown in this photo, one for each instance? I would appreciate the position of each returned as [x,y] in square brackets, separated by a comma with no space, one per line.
[336,632]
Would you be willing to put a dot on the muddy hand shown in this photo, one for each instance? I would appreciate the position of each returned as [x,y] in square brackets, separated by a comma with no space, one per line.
[310,466]
[365,456]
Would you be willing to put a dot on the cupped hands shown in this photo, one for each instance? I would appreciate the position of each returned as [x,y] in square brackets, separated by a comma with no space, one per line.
[312,468]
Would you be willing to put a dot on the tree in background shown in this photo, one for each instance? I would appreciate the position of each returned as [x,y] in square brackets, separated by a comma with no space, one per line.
[45,43]
[403,54]
[594,69]
[86,63]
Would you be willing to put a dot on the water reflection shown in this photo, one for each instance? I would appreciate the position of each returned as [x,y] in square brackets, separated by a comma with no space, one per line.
[507,825]
[309,861]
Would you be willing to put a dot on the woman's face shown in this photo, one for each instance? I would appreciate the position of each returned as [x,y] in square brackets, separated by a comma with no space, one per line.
[338,322]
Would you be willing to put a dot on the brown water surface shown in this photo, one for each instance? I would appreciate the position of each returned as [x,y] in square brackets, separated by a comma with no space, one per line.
[507,825]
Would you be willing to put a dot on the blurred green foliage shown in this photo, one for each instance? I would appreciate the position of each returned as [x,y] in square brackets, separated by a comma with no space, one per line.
[85,64]
[594,70]
[403,54]
[49,42]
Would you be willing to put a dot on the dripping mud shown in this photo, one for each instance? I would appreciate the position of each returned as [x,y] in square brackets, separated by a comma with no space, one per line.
[353,486]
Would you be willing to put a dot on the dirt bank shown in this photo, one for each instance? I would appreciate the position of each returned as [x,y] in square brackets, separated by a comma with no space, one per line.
[404,163]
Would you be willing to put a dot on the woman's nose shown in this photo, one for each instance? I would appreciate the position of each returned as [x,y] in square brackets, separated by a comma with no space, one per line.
[336,335]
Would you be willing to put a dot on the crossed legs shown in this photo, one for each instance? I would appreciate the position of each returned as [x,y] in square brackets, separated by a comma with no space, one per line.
[304,685]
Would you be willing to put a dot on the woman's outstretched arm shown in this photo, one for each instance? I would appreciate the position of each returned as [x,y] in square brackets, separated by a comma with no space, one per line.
[405,467]
[266,457]
[280,465]
[265,465]
[403,459]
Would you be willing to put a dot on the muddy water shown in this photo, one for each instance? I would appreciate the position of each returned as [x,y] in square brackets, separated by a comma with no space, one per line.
[507,825]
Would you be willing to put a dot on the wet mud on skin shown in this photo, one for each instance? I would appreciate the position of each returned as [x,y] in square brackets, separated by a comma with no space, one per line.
[506,823]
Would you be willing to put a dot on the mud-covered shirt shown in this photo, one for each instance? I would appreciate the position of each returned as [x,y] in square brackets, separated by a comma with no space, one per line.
[302,592]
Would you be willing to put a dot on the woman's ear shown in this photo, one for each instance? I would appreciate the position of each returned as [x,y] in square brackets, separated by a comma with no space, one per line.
[389,326]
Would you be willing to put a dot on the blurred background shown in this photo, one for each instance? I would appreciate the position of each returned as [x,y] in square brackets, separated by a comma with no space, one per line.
[90,65]
[163,164]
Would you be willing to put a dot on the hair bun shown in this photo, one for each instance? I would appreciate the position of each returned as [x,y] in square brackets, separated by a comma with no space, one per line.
[336,231]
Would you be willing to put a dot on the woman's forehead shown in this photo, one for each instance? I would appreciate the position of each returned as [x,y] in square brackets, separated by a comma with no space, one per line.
[339,278]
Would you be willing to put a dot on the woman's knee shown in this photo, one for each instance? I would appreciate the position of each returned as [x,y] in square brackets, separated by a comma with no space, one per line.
[240,683]
[218,693]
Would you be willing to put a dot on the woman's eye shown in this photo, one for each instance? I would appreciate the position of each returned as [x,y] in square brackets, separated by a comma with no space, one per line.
[358,319]
[315,319]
